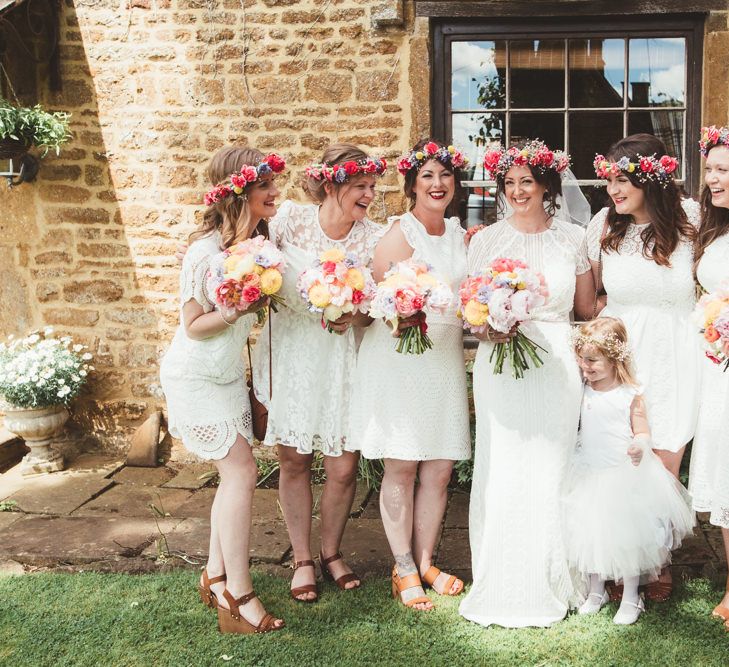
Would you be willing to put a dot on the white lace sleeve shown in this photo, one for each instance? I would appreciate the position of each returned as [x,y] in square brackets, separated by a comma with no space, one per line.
[195,273]
[405,227]
[280,222]
[577,236]
[480,249]
[594,233]
[693,211]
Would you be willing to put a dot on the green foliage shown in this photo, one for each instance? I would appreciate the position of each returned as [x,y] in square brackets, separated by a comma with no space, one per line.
[34,126]
[8,506]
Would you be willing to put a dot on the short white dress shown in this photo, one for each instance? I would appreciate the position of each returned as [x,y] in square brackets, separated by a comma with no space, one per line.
[414,407]
[204,380]
[620,520]
[311,368]
[709,472]
[655,304]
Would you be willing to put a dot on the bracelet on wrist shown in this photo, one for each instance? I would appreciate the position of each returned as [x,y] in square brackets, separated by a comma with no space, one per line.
[222,317]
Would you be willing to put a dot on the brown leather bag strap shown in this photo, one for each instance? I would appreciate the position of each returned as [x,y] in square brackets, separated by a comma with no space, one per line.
[598,282]
[270,363]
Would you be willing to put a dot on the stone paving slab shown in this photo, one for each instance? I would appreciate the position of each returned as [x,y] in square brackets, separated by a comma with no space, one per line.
[42,540]
[59,493]
[269,541]
[8,566]
[190,477]
[190,537]
[365,547]
[457,511]
[695,550]
[716,542]
[8,518]
[372,508]
[265,505]
[454,552]
[134,501]
[198,505]
[144,476]
[99,464]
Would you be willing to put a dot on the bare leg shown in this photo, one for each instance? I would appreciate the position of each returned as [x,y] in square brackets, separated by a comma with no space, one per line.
[431,498]
[725,534]
[336,505]
[396,508]
[294,491]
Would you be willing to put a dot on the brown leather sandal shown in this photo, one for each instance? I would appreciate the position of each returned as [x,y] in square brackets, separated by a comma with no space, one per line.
[402,584]
[342,581]
[231,620]
[658,591]
[306,588]
[432,574]
[615,591]
[722,612]
[207,597]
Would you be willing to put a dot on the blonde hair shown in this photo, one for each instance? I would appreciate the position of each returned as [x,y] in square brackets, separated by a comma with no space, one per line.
[230,214]
[333,154]
[610,338]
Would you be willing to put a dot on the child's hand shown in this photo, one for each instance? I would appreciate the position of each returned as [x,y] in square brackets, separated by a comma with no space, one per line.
[181,251]
[636,449]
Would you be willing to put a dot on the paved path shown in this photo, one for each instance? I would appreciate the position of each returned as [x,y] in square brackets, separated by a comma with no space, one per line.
[101,515]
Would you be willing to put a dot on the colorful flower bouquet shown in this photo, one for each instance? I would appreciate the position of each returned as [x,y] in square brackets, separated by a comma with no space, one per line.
[247,271]
[712,313]
[503,296]
[338,283]
[410,289]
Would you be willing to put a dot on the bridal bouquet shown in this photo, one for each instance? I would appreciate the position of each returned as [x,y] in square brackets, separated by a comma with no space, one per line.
[712,314]
[410,289]
[247,271]
[338,283]
[503,296]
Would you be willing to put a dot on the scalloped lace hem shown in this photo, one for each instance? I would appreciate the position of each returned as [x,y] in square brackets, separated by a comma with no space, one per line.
[306,443]
[212,442]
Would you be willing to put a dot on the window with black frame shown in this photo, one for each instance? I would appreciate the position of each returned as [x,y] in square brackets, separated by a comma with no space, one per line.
[575,90]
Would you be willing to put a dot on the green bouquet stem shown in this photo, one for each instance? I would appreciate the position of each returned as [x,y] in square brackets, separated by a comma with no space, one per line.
[413,341]
[519,351]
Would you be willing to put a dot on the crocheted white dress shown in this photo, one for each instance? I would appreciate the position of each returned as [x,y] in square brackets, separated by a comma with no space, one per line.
[414,407]
[620,520]
[525,434]
[655,303]
[204,380]
[709,472]
[311,368]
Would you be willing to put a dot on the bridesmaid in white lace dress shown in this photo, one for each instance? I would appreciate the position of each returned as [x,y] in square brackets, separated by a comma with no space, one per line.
[202,375]
[412,410]
[645,262]
[709,473]
[526,429]
[312,368]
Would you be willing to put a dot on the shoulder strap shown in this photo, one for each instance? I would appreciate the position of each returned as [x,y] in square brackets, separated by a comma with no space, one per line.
[598,283]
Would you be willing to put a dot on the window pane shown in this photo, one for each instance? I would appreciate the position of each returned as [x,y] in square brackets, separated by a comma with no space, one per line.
[666,125]
[657,72]
[596,195]
[481,206]
[597,72]
[592,132]
[537,73]
[478,71]
[472,132]
[549,127]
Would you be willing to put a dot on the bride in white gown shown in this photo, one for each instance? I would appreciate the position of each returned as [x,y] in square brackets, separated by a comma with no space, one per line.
[526,429]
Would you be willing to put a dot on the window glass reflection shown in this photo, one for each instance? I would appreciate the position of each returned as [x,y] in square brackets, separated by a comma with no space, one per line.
[478,75]
[592,132]
[666,125]
[597,72]
[472,132]
[537,73]
[657,72]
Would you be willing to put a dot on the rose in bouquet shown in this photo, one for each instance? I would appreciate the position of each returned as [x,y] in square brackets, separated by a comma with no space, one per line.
[503,296]
[409,290]
[712,314]
[338,283]
[247,272]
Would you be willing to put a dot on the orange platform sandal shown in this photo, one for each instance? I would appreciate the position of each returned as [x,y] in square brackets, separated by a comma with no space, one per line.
[402,584]
[306,588]
[342,581]
[431,575]
[207,597]
[231,620]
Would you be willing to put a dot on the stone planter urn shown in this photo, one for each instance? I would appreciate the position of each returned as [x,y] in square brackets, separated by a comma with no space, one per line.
[39,427]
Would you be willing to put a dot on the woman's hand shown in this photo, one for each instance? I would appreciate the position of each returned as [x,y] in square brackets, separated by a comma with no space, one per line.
[414,321]
[341,324]
[254,307]
[181,252]
[493,336]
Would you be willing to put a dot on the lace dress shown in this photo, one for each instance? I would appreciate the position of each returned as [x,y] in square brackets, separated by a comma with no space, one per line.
[204,380]
[709,472]
[311,368]
[525,435]
[655,303]
[414,407]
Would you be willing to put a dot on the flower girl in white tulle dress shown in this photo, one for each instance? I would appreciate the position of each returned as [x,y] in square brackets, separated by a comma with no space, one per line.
[623,510]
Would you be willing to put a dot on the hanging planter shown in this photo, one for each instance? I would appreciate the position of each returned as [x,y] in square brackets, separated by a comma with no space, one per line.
[13,149]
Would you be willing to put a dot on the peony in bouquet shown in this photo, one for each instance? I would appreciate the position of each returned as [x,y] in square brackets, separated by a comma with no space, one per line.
[338,283]
[246,272]
[712,314]
[503,296]
[409,288]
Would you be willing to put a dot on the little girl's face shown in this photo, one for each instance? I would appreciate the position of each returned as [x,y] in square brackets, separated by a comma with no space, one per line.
[594,365]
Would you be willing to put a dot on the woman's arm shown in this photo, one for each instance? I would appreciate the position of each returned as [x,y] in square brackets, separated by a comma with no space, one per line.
[200,325]
[390,249]
[641,430]
[584,304]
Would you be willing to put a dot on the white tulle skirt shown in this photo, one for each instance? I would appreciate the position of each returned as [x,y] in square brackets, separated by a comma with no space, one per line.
[623,521]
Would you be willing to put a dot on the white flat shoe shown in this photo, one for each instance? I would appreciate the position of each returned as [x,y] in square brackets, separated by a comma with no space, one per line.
[594,603]
[628,612]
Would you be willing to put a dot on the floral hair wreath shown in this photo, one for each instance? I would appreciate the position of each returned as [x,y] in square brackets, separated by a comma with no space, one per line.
[648,167]
[713,136]
[340,173]
[497,161]
[615,348]
[446,155]
[237,181]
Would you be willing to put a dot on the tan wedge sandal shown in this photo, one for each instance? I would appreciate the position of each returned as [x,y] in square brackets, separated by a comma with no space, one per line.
[231,620]
[402,584]
[207,597]
[431,575]
[342,581]
[306,588]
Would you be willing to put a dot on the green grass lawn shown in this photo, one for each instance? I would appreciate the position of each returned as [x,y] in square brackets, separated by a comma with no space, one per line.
[104,619]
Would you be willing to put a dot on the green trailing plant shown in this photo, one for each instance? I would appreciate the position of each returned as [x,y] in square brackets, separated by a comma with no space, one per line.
[33,126]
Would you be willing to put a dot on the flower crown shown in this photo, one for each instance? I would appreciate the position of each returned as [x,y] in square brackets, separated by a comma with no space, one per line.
[648,167]
[248,174]
[447,155]
[615,348]
[713,136]
[497,161]
[340,173]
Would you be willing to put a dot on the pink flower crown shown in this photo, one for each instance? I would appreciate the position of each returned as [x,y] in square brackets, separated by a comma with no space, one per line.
[446,155]
[340,173]
[647,168]
[237,181]
[713,136]
[497,161]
